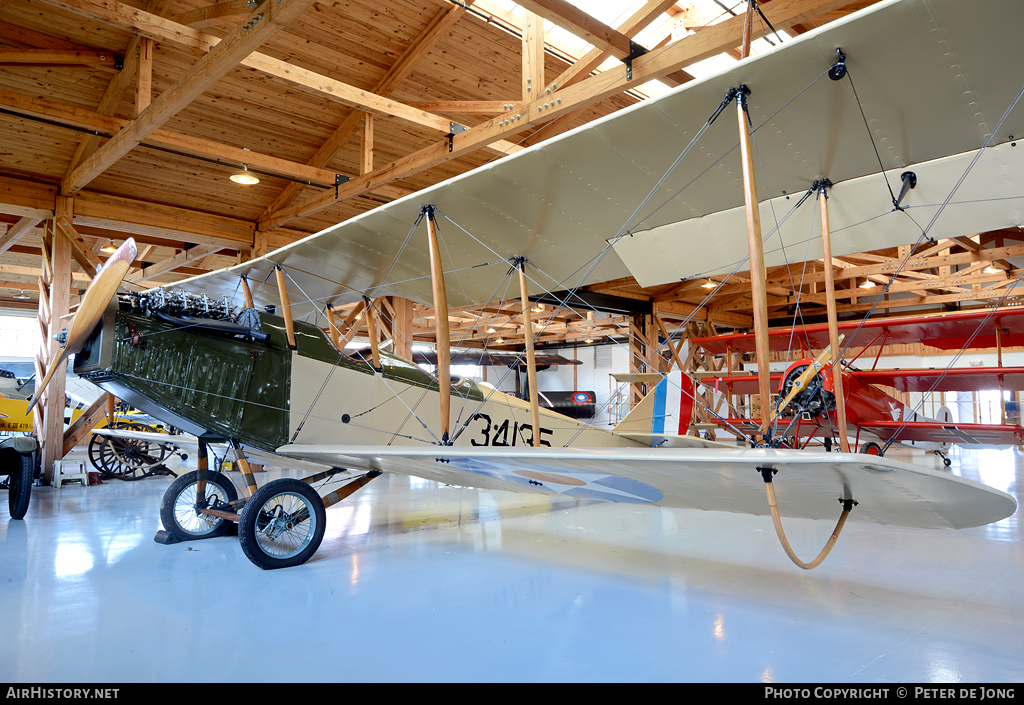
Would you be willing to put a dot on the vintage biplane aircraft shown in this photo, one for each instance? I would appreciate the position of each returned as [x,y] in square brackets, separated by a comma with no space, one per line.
[871,412]
[604,201]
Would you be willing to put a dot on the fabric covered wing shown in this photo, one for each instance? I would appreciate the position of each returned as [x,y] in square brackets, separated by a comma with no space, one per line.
[808,484]
[966,379]
[947,331]
[943,433]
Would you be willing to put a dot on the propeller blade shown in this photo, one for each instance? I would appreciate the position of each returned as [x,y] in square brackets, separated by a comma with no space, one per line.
[90,311]
[801,382]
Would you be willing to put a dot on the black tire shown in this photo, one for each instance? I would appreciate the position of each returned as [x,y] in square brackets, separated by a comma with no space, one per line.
[19,487]
[282,524]
[179,513]
[871,448]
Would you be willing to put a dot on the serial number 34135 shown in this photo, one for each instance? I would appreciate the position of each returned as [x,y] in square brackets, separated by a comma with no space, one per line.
[494,434]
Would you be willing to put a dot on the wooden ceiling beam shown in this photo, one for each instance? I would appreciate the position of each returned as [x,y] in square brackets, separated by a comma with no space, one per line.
[229,12]
[691,49]
[635,24]
[438,27]
[181,259]
[80,118]
[164,30]
[17,231]
[264,22]
[476,107]
[576,21]
[124,215]
[59,57]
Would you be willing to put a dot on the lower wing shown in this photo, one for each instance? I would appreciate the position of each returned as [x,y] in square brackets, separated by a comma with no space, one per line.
[808,484]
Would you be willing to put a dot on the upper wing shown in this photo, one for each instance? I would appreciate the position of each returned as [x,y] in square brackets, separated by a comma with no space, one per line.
[961,379]
[559,203]
[946,331]
[808,484]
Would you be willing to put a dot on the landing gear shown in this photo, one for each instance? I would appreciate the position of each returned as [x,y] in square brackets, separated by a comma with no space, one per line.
[180,511]
[19,487]
[945,458]
[282,524]
[871,448]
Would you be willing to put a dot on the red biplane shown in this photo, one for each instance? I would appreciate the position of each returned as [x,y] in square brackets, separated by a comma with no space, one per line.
[870,411]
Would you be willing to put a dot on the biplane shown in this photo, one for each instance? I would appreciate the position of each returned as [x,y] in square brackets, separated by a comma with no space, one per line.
[250,355]
[875,414]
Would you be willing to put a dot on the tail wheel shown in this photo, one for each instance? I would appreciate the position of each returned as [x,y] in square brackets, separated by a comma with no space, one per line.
[871,448]
[179,510]
[282,524]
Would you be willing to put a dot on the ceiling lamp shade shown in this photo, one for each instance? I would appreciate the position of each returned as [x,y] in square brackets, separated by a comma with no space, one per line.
[22,296]
[109,247]
[245,177]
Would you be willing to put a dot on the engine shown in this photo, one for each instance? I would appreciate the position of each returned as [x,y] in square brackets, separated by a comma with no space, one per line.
[814,399]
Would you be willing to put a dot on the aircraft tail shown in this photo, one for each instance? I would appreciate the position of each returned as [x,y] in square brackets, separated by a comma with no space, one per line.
[667,409]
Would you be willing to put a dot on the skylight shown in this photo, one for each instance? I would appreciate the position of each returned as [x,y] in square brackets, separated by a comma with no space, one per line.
[683,18]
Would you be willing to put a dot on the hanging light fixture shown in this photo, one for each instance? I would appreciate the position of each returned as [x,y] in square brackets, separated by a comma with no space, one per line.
[109,248]
[245,177]
[709,284]
[22,296]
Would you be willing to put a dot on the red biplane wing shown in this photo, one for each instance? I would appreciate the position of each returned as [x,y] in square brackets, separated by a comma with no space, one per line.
[946,331]
[963,379]
[945,433]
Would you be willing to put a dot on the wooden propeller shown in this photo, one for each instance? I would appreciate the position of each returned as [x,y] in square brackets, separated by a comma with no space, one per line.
[801,382]
[90,311]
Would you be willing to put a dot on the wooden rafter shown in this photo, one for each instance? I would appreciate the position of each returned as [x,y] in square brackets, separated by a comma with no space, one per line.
[266,20]
[656,64]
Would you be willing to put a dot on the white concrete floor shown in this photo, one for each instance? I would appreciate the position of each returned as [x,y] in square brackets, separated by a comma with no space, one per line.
[420,582]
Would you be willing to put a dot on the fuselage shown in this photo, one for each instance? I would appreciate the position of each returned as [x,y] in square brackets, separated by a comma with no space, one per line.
[221,382]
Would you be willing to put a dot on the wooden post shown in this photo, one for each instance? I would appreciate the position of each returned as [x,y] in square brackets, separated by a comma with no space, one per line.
[60,300]
[833,324]
[144,75]
[401,327]
[533,57]
[332,329]
[371,331]
[442,336]
[286,306]
[671,347]
[531,359]
[748,26]
[111,407]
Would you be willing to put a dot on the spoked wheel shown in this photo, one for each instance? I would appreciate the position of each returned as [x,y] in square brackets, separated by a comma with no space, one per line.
[127,458]
[102,457]
[19,487]
[179,510]
[282,524]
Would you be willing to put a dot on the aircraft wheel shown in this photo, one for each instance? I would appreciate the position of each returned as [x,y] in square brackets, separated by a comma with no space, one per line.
[19,487]
[180,515]
[282,524]
[871,448]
